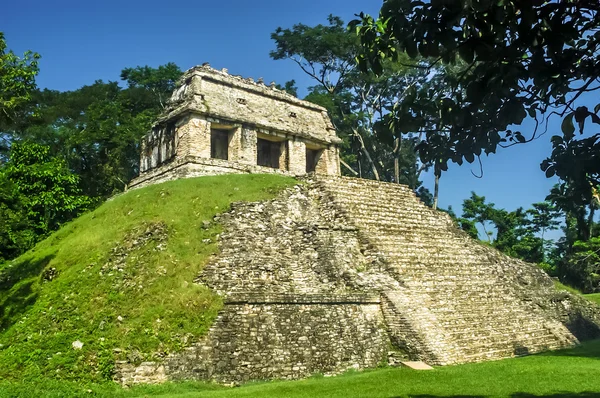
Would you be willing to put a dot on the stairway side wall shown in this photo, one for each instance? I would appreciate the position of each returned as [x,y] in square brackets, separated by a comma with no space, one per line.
[262,341]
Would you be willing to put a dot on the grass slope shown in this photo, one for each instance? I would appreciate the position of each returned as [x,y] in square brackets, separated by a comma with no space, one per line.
[593,297]
[118,277]
[567,373]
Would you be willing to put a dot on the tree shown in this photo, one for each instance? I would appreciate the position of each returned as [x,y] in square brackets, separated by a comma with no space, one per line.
[527,58]
[356,102]
[543,218]
[513,234]
[97,128]
[41,190]
[159,82]
[16,233]
[289,87]
[581,268]
[17,81]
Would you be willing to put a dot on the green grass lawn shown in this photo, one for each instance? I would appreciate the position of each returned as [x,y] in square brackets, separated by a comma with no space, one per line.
[567,373]
[120,277]
[593,297]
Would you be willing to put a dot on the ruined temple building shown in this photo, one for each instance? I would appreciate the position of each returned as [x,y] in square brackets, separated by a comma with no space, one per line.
[216,123]
[335,273]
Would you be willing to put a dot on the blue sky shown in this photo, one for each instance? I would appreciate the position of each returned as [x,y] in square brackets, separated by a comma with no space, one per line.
[82,41]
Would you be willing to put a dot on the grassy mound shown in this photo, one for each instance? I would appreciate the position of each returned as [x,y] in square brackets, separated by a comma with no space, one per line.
[117,283]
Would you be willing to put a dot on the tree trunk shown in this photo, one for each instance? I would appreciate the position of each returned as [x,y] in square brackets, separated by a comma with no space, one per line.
[583,229]
[359,168]
[374,169]
[436,191]
[397,160]
[366,153]
[591,218]
[346,165]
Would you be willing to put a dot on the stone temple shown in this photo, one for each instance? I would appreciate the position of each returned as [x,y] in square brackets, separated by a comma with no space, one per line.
[216,123]
[336,273]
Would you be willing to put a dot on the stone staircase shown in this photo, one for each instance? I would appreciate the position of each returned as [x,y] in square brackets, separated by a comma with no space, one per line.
[456,300]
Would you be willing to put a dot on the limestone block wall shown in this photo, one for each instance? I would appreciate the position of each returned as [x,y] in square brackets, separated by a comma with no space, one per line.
[242,145]
[197,137]
[329,163]
[244,109]
[218,94]
[284,157]
[462,301]
[296,244]
[289,271]
[262,341]
[247,152]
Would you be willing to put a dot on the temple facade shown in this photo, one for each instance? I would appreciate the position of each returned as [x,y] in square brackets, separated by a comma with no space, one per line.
[216,123]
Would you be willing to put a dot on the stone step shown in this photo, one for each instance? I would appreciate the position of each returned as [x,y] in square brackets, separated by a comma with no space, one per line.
[514,347]
[461,303]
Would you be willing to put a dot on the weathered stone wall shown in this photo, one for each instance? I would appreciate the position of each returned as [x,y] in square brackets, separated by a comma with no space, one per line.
[198,136]
[211,92]
[245,109]
[158,147]
[193,166]
[261,341]
[297,157]
[329,163]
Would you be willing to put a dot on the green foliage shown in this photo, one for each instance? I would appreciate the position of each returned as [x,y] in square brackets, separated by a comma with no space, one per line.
[289,87]
[513,232]
[515,60]
[357,103]
[594,297]
[160,82]
[38,194]
[16,234]
[118,277]
[581,267]
[49,191]
[97,128]
[17,81]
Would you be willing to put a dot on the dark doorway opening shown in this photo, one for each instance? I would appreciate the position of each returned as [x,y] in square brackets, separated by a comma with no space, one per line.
[312,158]
[268,153]
[219,144]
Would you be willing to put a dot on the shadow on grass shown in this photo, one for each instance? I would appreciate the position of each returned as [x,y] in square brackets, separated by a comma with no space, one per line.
[590,349]
[585,394]
[583,327]
[440,396]
[17,287]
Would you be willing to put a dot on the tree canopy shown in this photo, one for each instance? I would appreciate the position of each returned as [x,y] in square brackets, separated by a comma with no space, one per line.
[519,59]
[356,102]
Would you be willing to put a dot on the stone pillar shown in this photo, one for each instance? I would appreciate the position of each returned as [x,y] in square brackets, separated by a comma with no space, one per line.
[144,156]
[247,145]
[194,138]
[283,157]
[329,162]
[297,157]
[235,144]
